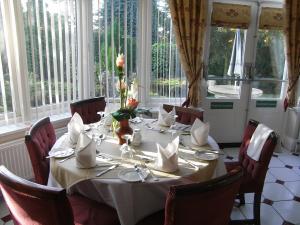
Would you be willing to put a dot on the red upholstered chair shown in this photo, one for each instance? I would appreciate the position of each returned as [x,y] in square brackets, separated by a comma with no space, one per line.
[185,115]
[207,203]
[39,141]
[88,109]
[254,171]
[31,203]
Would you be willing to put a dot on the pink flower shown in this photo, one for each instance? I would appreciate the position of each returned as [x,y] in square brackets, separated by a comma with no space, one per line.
[120,61]
[132,103]
[123,86]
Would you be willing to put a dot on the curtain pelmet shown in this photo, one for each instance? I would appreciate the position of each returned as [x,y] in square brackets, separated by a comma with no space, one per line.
[271,18]
[231,15]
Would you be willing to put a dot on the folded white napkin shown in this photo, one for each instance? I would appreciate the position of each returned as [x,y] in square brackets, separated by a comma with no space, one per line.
[258,140]
[166,118]
[199,133]
[167,158]
[75,127]
[85,152]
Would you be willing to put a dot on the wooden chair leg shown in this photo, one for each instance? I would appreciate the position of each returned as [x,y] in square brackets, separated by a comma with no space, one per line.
[241,197]
[256,211]
[256,208]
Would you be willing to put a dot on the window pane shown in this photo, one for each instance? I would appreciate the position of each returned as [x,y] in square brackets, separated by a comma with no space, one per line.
[270,89]
[114,31]
[50,33]
[270,54]
[168,79]
[222,89]
[270,60]
[226,54]
[6,105]
[226,59]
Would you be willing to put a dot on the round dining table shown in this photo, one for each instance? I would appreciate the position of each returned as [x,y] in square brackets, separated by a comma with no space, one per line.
[134,199]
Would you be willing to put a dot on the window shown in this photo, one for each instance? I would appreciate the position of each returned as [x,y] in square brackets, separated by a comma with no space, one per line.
[227,47]
[6,103]
[226,64]
[50,34]
[226,58]
[269,63]
[167,78]
[114,31]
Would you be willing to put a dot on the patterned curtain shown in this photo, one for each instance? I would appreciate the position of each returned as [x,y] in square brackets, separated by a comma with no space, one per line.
[189,21]
[292,31]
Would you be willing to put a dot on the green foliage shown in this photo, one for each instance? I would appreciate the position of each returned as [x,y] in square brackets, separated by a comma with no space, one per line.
[160,58]
[270,54]
[122,114]
[220,50]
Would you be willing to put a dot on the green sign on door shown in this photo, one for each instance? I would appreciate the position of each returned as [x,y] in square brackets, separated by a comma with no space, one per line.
[221,105]
[266,104]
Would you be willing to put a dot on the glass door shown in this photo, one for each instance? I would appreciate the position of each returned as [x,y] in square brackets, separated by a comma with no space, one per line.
[269,73]
[245,73]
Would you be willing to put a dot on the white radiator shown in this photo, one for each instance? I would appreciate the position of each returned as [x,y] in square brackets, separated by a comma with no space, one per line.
[292,128]
[14,156]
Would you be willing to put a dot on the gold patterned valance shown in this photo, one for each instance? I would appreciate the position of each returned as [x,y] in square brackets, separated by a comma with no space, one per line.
[271,18]
[231,15]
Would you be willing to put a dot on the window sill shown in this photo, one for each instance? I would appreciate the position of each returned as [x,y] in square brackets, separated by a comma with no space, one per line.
[17,131]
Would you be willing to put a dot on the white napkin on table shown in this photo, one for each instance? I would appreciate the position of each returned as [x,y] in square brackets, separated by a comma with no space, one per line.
[199,132]
[258,140]
[166,118]
[85,152]
[167,158]
[75,127]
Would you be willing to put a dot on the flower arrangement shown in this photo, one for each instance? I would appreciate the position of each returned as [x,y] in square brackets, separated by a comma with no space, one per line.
[127,105]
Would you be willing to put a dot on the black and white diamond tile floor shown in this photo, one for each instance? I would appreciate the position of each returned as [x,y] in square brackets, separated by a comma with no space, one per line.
[280,199]
[281,194]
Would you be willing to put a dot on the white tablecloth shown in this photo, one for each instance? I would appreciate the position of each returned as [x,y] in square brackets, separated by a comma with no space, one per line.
[133,201]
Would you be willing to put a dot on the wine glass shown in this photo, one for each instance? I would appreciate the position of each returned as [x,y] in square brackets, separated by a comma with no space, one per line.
[101,114]
[126,151]
[173,133]
[172,129]
[97,140]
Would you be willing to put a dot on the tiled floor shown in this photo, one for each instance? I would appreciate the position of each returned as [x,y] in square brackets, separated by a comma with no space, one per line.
[281,194]
[280,199]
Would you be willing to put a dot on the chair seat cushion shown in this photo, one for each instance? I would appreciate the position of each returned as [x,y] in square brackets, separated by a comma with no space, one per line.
[89,212]
[157,218]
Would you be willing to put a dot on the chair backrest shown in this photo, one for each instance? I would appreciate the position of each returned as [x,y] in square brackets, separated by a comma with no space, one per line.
[31,203]
[39,141]
[185,115]
[88,109]
[255,171]
[207,203]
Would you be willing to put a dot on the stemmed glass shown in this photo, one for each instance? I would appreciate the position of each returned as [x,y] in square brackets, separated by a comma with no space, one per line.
[97,140]
[126,151]
[172,129]
[101,114]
